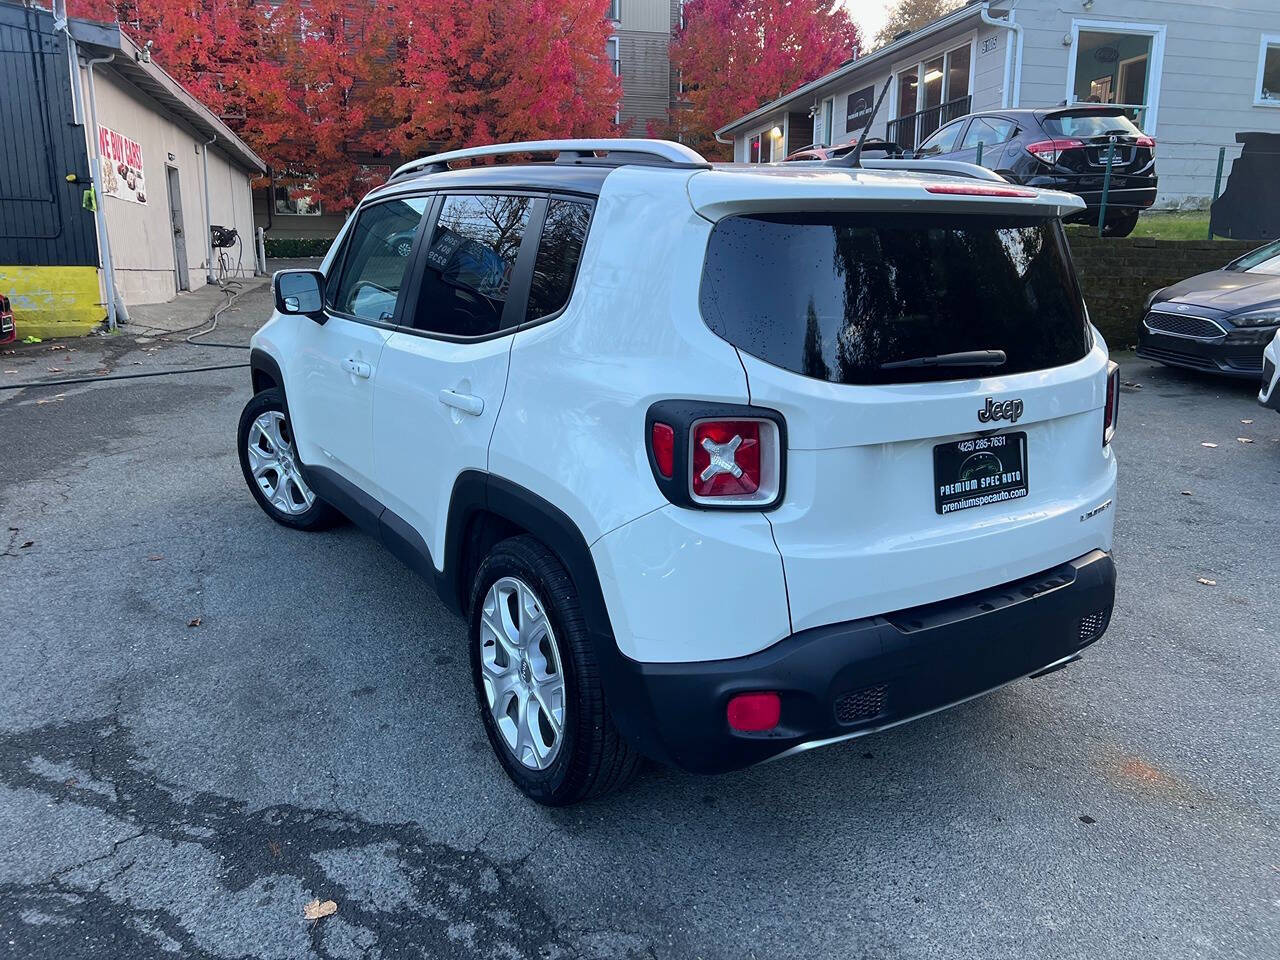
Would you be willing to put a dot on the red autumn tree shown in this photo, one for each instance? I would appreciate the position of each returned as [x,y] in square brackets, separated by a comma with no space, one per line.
[735,55]
[502,70]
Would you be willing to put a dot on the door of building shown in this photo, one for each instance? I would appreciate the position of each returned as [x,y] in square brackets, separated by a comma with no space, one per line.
[183,280]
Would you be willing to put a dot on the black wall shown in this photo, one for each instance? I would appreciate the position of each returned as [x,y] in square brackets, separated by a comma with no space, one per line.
[42,221]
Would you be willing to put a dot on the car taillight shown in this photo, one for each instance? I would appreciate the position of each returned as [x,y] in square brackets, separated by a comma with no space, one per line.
[1112,408]
[1147,142]
[662,440]
[754,712]
[1050,150]
[713,455]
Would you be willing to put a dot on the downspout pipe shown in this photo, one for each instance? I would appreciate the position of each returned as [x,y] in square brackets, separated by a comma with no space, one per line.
[1009,97]
[115,305]
[208,217]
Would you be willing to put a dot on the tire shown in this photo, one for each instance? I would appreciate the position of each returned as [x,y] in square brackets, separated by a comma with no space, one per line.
[1120,226]
[271,467]
[587,757]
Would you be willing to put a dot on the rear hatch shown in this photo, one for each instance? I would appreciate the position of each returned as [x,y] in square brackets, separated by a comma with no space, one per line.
[1083,137]
[907,484]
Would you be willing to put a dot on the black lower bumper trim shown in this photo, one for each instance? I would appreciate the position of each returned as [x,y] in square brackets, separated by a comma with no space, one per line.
[844,679]
[1212,356]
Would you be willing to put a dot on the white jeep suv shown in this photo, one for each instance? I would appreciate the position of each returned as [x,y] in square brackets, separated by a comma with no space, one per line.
[720,463]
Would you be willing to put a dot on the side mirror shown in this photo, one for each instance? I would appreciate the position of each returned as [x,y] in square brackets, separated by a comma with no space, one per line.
[300,293]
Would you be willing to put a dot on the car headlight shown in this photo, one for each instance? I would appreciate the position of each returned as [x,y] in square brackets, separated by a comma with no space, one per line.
[1268,317]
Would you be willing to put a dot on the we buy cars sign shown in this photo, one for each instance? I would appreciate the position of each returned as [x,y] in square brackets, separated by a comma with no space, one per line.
[122,175]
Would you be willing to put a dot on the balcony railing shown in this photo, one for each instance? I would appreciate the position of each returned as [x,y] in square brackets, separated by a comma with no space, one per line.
[908,131]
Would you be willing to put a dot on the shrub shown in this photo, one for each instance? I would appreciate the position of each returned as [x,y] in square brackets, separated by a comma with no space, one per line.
[287,248]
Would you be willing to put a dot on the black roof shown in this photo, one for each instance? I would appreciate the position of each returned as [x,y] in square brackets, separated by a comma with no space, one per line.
[568,177]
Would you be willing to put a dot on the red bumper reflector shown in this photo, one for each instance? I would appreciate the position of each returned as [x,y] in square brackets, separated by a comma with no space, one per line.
[754,712]
[663,440]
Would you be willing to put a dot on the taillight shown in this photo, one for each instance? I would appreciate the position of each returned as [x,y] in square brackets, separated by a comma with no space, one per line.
[662,441]
[1112,409]
[712,455]
[1050,150]
[1147,142]
[754,712]
[978,190]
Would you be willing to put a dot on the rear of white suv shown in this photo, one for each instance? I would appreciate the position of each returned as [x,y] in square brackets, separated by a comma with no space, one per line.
[792,455]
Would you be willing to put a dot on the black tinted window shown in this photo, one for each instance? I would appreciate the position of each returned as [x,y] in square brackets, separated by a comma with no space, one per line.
[836,296]
[376,256]
[559,251]
[944,141]
[1089,123]
[469,263]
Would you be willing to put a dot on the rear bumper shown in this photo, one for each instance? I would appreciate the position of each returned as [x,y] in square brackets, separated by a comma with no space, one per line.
[1212,356]
[1125,192]
[848,679]
[8,329]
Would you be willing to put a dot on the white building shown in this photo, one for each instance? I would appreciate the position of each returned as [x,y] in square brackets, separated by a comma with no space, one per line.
[1194,74]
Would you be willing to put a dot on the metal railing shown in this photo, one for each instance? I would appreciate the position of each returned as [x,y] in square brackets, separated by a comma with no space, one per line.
[909,130]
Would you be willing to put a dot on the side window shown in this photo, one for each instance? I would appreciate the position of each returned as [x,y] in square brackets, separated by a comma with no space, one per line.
[944,141]
[560,249]
[987,130]
[469,263]
[376,256]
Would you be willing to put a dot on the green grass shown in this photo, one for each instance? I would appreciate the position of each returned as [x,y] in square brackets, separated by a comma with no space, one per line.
[1179,225]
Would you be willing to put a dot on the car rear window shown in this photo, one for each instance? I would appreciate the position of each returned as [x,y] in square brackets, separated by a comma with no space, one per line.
[837,296]
[1089,124]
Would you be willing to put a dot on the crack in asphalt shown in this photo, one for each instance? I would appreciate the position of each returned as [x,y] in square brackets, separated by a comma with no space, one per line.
[457,902]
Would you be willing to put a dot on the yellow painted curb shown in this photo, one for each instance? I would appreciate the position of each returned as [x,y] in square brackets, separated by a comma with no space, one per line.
[53,301]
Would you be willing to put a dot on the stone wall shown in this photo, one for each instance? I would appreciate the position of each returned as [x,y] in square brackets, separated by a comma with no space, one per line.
[1117,275]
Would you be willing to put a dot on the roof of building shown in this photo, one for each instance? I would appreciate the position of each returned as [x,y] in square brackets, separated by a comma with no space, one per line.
[135,65]
[972,9]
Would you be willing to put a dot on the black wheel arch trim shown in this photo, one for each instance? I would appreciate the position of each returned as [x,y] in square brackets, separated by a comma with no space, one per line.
[261,362]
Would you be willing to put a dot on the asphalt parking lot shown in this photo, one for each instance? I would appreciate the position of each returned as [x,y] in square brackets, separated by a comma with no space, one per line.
[207,720]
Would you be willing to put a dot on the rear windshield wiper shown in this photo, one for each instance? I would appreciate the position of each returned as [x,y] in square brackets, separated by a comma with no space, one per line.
[968,358]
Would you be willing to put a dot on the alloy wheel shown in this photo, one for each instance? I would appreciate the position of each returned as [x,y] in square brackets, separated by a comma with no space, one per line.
[274,464]
[520,665]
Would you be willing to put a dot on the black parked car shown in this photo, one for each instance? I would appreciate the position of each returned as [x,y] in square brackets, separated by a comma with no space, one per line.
[1219,321]
[1062,148]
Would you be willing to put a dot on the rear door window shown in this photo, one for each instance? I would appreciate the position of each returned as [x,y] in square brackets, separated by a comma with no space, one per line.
[375,259]
[469,264]
[837,296]
[988,131]
[559,250]
[944,141]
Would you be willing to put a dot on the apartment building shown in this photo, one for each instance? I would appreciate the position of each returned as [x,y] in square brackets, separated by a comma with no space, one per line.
[640,51]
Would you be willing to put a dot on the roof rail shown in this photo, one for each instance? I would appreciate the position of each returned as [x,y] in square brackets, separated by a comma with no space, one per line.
[949,168]
[624,148]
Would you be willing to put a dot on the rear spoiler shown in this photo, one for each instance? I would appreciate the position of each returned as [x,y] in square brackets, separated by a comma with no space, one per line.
[947,168]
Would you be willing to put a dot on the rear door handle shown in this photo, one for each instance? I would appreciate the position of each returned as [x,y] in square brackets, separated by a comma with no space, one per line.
[357,368]
[465,402]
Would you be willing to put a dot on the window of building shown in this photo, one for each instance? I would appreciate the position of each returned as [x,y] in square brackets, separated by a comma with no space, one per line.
[828,120]
[563,233]
[931,93]
[1268,90]
[375,258]
[1117,64]
[295,199]
[611,51]
[753,149]
[469,263]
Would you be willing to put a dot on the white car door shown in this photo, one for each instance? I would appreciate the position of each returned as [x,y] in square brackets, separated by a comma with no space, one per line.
[441,380]
[333,370]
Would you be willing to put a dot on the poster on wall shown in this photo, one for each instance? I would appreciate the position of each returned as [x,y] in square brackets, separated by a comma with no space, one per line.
[122,175]
[858,109]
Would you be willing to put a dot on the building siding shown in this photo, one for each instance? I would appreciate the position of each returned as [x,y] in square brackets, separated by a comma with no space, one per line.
[141,234]
[646,80]
[1207,79]
[42,220]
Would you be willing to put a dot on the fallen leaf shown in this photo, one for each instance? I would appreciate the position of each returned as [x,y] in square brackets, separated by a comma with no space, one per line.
[28,543]
[1087,820]
[53,400]
[1186,493]
[156,556]
[1132,384]
[11,371]
[195,621]
[1246,421]
[54,369]
[59,346]
[274,848]
[1211,446]
[1206,581]
[317,909]
[1244,439]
